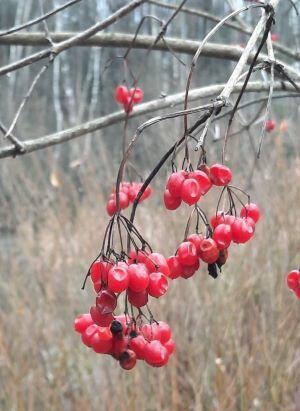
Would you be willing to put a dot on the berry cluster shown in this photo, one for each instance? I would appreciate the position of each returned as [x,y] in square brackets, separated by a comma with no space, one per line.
[127,195]
[224,228]
[190,186]
[128,97]
[141,275]
[293,282]
[127,341]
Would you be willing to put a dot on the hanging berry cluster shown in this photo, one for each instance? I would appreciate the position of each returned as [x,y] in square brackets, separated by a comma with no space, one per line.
[128,97]
[210,246]
[293,282]
[127,195]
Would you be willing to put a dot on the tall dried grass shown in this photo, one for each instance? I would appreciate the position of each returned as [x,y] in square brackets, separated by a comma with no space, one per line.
[237,337]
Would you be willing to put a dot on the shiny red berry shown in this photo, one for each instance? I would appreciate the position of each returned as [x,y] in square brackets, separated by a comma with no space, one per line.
[121,94]
[138,299]
[137,94]
[190,191]
[187,253]
[176,268]
[82,322]
[242,230]
[293,280]
[155,353]
[250,210]
[118,278]
[170,346]
[202,179]
[220,175]
[171,203]
[103,320]
[189,270]
[101,341]
[157,262]
[222,236]
[138,345]
[196,239]
[209,252]
[165,331]
[106,301]
[158,284]
[175,182]
[138,277]
[88,333]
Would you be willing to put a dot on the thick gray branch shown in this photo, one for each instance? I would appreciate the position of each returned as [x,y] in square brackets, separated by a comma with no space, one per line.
[142,42]
[119,116]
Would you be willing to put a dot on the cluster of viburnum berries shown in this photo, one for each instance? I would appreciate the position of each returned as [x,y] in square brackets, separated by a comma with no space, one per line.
[126,341]
[127,194]
[128,97]
[225,228]
[293,282]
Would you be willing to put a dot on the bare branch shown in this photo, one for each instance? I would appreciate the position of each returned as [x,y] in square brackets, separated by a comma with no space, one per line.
[74,40]
[119,116]
[142,42]
[39,19]
[201,13]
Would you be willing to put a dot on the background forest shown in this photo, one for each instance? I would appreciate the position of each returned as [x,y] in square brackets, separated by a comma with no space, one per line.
[238,338]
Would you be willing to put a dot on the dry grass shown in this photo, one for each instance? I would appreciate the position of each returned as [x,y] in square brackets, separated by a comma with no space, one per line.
[238,337]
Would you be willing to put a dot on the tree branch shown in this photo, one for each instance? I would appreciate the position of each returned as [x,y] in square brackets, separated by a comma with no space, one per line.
[72,41]
[141,109]
[201,13]
[142,42]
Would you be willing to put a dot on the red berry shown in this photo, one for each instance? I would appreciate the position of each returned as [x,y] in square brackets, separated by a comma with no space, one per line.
[137,257]
[138,345]
[242,230]
[222,236]
[202,179]
[88,333]
[138,277]
[190,191]
[155,353]
[274,37]
[293,280]
[250,210]
[270,125]
[151,331]
[121,94]
[103,320]
[99,271]
[101,341]
[118,278]
[171,203]
[136,94]
[170,346]
[175,267]
[189,270]
[119,345]
[175,182]
[187,253]
[111,207]
[158,284]
[106,301]
[165,331]
[220,175]
[128,105]
[127,359]
[157,262]
[82,322]
[196,239]
[209,252]
[138,299]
